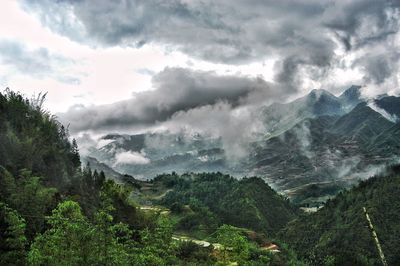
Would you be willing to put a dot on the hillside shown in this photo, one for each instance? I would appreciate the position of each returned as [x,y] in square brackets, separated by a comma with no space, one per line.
[52,209]
[391,105]
[199,133]
[339,231]
[320,156]
[248,203]
[351,97]
[281,117]
[55,212]
[308,149]
[362,124]
[161,153]
[30,138]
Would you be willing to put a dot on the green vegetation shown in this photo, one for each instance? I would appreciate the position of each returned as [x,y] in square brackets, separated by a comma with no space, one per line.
[32,139]
[338,234]
[211,199]
[54,212]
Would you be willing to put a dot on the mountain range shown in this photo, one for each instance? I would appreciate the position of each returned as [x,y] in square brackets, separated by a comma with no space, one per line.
[51,206]
[311,148]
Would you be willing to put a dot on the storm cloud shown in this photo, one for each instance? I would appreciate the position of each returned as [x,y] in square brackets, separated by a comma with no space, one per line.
[309,39]
[175,90]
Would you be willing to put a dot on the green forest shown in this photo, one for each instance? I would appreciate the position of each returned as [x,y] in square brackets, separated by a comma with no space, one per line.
[54,211]
[248,203]
[338,234]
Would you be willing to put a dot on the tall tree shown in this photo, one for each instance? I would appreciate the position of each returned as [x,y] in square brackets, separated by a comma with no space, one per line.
[12,237]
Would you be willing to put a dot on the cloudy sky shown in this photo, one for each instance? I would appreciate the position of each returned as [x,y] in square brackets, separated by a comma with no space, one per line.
[129,65]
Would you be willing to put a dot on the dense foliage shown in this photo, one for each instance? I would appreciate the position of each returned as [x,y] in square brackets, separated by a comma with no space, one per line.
[54,212]
[31,138]
[338,234]
[221,199]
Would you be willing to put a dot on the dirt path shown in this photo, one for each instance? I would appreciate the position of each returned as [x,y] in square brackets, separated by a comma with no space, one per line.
[162,195]
[197,241]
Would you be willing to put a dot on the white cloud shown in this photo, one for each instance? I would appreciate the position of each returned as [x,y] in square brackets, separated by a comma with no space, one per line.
[103,142]
[130,157]
[393,118]
[273,35]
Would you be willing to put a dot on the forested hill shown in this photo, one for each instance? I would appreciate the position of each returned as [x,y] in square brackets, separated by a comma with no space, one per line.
[248,202]
[338,233]
[32,139]
[53,212]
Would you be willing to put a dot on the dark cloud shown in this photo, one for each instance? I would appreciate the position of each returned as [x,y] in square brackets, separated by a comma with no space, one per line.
[369,29]
[39,63]
[380,67]
[361,22]
[308,39]
[301,35]
[222,31]
[175,90]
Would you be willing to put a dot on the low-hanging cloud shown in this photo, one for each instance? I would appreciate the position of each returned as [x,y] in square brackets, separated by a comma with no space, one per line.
[309,42]
[175,90]
[237,127]
[130,157]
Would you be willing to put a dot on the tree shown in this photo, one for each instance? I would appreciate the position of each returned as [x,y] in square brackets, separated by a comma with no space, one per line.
[109,250]
[73,240]
[67,242]
[74,155]
[235,246]
[12,237]
[155,247]
[100,180]
[32,200]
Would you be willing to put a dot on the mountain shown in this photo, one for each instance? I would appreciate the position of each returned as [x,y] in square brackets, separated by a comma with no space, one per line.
[247,203]
[320,156]
[312,147]
[361,124]
[102,167]
[298,157]
[52,211]
[391,105]
[281,117]
[387,143]
[147,155]
[351,97]
[339,231]
[322,102]
[55,212]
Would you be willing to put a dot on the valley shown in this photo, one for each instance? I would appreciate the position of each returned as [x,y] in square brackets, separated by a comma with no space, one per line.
[310,148]
[52,205]
[199,133]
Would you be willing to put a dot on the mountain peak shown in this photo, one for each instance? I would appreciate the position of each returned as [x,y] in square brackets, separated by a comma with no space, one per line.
[351,97]
[321,92]
[318,97]
[354,92]
[315,103]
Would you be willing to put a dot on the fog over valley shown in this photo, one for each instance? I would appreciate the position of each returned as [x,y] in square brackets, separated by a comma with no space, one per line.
[199,132]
